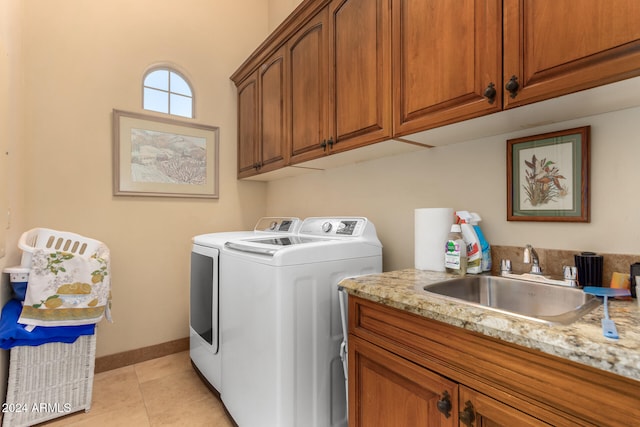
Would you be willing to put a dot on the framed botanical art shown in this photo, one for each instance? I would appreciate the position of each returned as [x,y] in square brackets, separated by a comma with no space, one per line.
[548,177]
[155,156]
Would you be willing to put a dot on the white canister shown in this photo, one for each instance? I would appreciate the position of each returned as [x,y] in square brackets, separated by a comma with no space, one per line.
[432,227]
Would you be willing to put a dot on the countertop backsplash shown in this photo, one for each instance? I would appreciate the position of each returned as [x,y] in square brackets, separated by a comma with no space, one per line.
[552,260]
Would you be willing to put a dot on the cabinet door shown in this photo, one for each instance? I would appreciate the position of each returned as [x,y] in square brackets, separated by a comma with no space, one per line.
[360,52]
[445,56]
[273,117]
[309,89]
[248,126]
[386,390]
[479,410]
[555,47]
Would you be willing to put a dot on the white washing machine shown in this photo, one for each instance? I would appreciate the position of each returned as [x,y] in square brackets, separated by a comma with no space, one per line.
[282,331]
[204,322]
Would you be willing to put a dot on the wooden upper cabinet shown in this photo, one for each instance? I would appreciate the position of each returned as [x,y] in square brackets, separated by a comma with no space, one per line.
[340,74]
[273,115]
[248,155]
[360,55]
[340,79]
[262,119]
[445,56]
[309,89]
[555,47]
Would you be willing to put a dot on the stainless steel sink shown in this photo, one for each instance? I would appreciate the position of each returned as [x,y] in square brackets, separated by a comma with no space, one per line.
[535,301]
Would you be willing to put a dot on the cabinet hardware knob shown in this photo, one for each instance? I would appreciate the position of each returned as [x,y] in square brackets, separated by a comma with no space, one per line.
[323,144]
[490,93]
[468,415]
[444,404]
[331,142]
[512,86]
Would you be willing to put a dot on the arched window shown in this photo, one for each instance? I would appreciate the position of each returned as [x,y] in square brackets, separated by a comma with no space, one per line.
[166,91]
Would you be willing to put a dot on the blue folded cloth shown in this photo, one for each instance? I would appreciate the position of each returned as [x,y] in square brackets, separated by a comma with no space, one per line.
[13,333]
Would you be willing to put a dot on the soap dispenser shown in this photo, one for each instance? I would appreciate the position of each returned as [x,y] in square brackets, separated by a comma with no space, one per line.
[455,256]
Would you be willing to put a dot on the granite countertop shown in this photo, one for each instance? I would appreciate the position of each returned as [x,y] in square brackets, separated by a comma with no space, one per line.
[581,341]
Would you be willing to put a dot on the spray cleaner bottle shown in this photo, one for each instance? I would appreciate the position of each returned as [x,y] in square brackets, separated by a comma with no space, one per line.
[455,255]
[474,251]
[484,244]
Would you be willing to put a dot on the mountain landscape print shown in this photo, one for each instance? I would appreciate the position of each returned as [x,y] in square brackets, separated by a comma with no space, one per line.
[161,157]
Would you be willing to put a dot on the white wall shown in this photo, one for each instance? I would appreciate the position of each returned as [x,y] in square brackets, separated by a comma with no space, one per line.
[472,176]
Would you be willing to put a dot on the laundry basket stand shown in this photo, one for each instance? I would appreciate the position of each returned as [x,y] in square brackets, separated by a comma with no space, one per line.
[49,381]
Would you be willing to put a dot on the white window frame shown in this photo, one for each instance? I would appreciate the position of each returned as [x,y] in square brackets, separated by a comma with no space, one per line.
[168,90]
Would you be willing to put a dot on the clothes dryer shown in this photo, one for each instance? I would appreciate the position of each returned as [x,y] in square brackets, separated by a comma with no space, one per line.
[204,313]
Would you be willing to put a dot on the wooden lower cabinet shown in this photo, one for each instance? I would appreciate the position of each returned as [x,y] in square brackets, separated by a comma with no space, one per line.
[477,409]
[391,391]
[408,370]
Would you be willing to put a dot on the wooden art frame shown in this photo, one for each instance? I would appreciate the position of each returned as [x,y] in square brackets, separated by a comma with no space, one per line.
[548,176]
[156,156]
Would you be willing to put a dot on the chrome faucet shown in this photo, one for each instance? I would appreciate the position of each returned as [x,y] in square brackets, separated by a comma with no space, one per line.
[531,257]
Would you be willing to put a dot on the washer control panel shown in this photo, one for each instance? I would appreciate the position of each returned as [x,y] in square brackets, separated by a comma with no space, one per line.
[338,226]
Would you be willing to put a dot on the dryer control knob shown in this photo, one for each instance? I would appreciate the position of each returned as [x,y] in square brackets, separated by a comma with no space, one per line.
[326,227]
[273,225]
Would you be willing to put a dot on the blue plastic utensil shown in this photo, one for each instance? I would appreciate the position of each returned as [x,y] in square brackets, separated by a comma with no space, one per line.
[608,326]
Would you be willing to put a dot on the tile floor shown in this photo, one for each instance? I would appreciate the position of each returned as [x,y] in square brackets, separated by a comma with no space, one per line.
[160,392]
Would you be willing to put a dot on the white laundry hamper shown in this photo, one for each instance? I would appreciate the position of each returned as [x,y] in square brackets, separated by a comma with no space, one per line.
[45,238]
[54,379]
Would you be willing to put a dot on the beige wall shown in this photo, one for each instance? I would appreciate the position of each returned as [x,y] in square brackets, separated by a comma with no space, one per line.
[10,134]
[472,176]
[11,129]
[279,10]
[83,59]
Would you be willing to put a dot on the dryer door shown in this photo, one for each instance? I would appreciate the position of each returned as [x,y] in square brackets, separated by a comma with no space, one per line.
[204,294]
